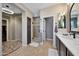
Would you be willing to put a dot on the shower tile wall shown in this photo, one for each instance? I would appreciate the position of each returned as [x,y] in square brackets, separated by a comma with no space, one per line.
[36,26]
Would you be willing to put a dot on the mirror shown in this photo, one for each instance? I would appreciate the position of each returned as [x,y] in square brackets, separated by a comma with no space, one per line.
[62,22]
[74,18]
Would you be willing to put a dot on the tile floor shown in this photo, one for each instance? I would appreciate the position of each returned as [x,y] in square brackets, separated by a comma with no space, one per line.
[10,46]
[42,50]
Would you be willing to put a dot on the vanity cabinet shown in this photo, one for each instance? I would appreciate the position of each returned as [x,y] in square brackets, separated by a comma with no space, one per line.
[69,53]
[62,49]
[57,44]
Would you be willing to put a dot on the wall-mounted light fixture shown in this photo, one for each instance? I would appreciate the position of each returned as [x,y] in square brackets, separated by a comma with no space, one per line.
[8,11]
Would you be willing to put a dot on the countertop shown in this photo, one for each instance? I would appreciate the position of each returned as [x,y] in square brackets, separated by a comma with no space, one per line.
[71,44]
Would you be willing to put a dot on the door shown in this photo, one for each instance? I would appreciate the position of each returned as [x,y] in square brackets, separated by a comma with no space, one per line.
[49,27]
[28,30]
[4,31]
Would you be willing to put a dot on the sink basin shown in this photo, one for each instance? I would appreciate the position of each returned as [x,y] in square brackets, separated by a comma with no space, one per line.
[68,36]
[65,34]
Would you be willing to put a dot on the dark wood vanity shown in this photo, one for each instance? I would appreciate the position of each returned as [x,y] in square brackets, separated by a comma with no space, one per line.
[62,49]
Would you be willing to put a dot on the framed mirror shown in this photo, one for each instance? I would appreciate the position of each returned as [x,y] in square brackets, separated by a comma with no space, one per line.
[74,17]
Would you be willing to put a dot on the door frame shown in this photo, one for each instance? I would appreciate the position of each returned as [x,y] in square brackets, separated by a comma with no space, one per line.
[44,29]
[6,27]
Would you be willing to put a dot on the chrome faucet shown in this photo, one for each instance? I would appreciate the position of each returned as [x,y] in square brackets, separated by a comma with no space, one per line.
[73,34]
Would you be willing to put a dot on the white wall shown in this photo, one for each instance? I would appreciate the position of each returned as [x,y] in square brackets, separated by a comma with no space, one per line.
[24,29]
[15,27]
[11,27]
[18,28]
[60,8]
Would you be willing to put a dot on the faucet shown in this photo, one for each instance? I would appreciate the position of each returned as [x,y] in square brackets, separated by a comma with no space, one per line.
[73,34]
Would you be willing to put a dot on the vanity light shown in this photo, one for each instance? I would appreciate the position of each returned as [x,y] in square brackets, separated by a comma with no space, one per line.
[8,11]
[59,18]
[63,13]
[60,15]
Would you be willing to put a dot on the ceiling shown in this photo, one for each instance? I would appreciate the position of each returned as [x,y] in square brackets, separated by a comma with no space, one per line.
[12,7]
[35,7]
